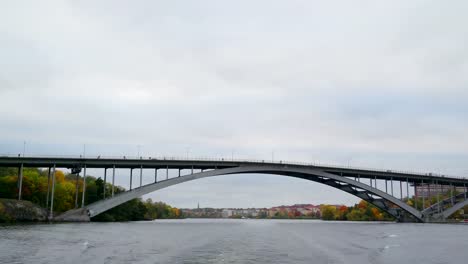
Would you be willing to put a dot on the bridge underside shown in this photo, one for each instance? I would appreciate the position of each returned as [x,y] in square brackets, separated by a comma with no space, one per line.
[392,205]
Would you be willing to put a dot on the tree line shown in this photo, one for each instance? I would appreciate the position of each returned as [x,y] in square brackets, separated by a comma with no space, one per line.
[35,189]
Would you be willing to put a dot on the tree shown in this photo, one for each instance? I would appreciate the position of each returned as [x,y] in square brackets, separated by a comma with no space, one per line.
[328,212]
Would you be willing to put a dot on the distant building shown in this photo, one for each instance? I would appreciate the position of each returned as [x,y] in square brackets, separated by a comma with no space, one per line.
[430,190]
[226,213]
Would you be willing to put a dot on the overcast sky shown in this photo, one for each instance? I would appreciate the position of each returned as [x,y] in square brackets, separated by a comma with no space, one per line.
[368,83]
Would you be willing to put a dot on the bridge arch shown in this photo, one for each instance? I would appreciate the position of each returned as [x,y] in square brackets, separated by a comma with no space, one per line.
[370,194]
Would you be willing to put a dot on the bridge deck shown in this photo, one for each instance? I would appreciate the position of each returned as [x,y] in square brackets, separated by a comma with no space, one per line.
[201,164]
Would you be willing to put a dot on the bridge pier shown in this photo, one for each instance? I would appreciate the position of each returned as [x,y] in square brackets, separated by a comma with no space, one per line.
[113,177]
[391,184]
[84,187]
[415,196]
[131,178]
[438,196]
[401,190]
[20,181]
[141,175]
[75,215]
[51,215]
[423,202]
[407,190]
[48,189]
[77,188]
[104,187]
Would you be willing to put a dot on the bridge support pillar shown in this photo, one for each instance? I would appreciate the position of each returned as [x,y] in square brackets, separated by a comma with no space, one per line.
[48,188]
[401,190]
[423,201]
[415,196]
[77,189]
[438,196]
[391,184]
[464,185]
[20,181]
[141,175]
[407,189]
[104,187]
[113,179]
[167,172]
[84,186]
[51,215]
[131,178]
[155,175]
[451,194]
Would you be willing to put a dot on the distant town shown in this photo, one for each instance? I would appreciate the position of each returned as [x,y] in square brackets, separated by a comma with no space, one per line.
[308,211]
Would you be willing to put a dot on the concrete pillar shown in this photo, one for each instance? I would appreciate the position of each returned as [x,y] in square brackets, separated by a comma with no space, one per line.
[113,179]
[464,185]
[438,196]
[401,190]
[179,172]
[48,188]
[407,189]
[104,187]
[391,184]
[131,178]
[20,189]
[155,175]
[415,196]
[375,182]
[84,187]
[451,193]
[359,178]
[51,215]
[141,175]
[167,172]
[192,169]
[386,186]
[423,202]
[77,189]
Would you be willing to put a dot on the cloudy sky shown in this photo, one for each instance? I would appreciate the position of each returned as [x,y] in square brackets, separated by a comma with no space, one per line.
[367,83]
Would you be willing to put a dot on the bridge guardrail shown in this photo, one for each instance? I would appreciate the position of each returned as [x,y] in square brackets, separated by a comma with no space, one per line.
[205,158]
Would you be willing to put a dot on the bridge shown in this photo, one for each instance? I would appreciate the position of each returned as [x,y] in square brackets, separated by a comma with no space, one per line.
[374,186]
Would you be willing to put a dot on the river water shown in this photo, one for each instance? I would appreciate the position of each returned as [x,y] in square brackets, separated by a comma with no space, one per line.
[234,241]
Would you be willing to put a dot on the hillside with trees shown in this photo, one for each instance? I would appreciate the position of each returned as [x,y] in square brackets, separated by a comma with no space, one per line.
[35,189]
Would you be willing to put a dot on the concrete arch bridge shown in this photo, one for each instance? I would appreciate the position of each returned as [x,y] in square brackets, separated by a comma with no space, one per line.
[386,189]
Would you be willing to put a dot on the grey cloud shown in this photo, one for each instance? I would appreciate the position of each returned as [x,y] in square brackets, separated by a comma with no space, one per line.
[370,83]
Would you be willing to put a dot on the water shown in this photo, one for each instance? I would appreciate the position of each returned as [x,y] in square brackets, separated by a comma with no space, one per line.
[234,241]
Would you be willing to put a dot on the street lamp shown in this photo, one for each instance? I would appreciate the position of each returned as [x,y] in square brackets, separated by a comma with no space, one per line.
[187,150]
[138,152]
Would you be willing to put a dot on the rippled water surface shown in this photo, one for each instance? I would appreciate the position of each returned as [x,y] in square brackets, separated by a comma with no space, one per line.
[234,241]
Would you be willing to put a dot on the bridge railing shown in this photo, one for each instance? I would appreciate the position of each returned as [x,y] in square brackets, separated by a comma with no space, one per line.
[232,159]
